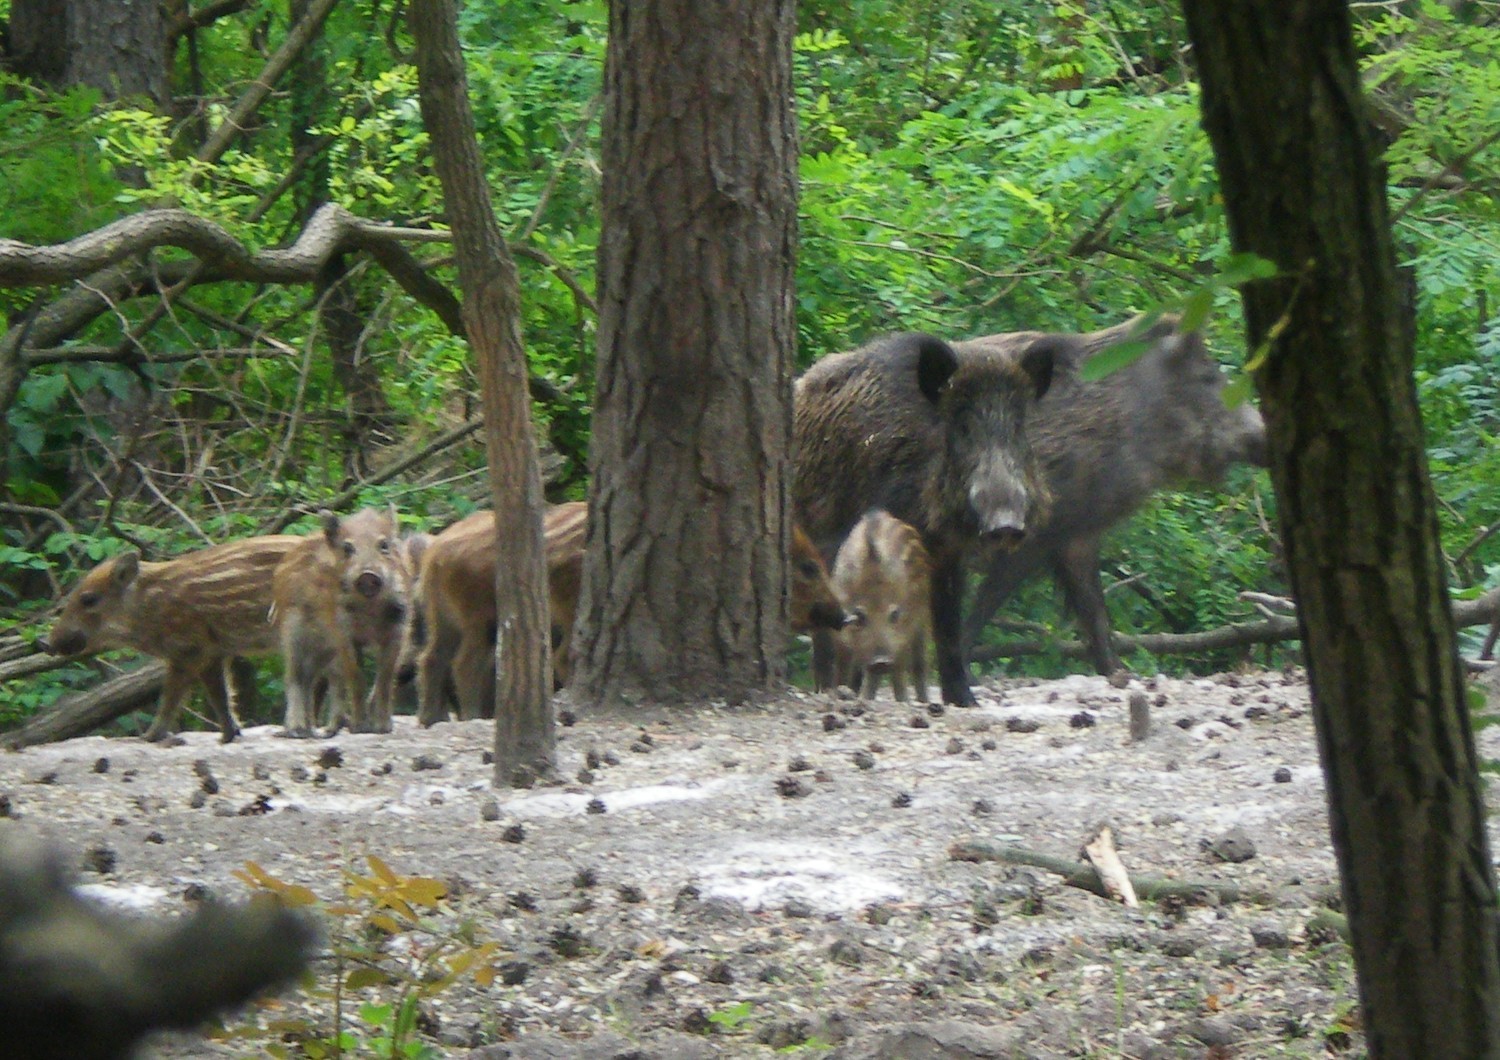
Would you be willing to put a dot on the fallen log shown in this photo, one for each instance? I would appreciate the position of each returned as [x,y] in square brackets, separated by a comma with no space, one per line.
[80,713]
[1085,877]
[1480,611]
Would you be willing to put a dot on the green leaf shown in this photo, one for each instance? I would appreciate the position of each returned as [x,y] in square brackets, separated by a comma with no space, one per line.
[365,977]
[1112,359]
[1195,309]
[1238,390]
[1242,268]
[376,1015]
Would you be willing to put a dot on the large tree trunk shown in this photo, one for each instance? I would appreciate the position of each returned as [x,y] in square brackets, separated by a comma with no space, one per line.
[1303,188]
[525,740]
[684,588]
[116,46]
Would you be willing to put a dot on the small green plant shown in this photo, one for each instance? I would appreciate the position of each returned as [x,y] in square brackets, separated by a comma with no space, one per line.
[375,910]
[732,1017]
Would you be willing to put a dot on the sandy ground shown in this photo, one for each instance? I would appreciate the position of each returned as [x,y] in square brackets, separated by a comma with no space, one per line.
[728,882]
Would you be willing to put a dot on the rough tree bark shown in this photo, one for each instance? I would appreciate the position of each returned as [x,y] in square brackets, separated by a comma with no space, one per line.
[1303,187]
[684,588]
[525,741]
[118,47]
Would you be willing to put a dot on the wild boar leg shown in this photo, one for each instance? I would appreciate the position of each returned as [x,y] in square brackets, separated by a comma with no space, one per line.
[216,688]
[179,682]
[824,660]
[347,705]
[378,709]
[301,676]
[433,673]
[947,631]
[1077,572]
[918,666]
[474,678]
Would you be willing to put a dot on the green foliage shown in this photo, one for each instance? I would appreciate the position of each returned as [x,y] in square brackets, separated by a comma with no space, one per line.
[391,948]
[966,168]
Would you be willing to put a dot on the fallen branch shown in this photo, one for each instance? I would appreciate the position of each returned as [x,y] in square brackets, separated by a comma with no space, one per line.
[1084,876]
[80,713]
[1106,861]
[1478,612]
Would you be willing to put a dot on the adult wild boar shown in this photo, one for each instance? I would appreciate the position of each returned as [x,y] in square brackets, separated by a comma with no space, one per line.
[937,439]
[195,613]
[1104,448]
[336,594]
[883,574]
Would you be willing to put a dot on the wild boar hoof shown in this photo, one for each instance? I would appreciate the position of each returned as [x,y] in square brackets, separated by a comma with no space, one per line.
[228,735]
[296,734]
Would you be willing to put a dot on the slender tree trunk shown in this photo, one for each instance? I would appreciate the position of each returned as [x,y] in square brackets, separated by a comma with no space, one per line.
[525,741]
[684,589]
[1303,187]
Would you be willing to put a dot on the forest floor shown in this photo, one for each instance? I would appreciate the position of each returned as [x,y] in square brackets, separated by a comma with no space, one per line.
[733,882]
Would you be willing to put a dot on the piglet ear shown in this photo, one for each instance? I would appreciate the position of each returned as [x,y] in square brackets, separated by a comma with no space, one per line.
[416,547]
[330,521]
[936,363]
[1037,362]
[127,566]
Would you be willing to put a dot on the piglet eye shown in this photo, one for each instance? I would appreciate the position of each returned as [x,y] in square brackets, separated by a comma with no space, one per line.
[895,614]
[860,617]
[88,599]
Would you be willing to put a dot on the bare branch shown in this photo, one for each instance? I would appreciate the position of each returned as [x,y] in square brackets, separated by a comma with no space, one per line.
[329,231]
[1273,630]
[298,38]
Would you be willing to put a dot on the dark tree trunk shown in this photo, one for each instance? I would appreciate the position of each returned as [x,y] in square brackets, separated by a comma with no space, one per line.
[1303,187]
[340,315]
[525,741]
[116,46]
[684,589]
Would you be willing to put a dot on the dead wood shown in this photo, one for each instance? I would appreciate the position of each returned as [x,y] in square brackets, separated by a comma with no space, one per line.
[1477,612]
[1105,858]
[80,713]
[1084,876]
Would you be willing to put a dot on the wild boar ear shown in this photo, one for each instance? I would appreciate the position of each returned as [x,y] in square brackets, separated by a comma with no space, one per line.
[1037,362]
[936,363]
[127,566]
[416,545]
[330,521]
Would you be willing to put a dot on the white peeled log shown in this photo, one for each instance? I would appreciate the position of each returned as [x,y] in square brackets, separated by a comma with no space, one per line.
[1106,861]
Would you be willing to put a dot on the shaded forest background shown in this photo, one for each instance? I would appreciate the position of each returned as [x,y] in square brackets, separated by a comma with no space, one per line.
[964,170]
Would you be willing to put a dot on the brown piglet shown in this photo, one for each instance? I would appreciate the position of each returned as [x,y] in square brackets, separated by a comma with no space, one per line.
[195,612]
[883,574]
[336,594]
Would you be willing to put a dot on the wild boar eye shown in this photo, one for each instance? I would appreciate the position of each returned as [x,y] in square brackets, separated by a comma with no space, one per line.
[348,548]
[88,599]
[384,546]
[860,618]
[895,614]
[808,569]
